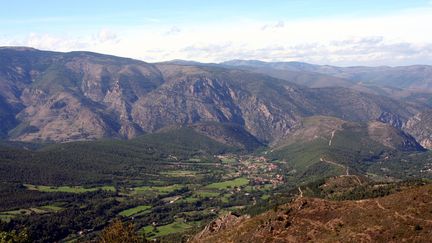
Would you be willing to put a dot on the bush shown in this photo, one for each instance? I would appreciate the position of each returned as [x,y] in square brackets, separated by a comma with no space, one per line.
[119,232]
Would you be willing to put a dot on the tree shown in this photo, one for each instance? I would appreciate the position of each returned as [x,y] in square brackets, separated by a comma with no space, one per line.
[119,232]
[14,237]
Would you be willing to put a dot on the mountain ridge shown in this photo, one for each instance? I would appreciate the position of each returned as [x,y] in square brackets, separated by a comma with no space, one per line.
[61,97]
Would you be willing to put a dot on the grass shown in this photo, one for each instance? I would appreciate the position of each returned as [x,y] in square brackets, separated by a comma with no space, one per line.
[188,200]
[177,226]
[179,173]
[228,184]
[8,215]
[226,198]
[68,189]
[204,194]
[53,208]
[156,189]
[133,211]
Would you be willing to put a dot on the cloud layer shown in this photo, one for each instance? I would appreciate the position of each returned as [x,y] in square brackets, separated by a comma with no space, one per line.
[398,39]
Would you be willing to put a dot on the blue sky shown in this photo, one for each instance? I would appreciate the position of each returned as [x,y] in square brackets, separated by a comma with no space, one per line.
[220,30]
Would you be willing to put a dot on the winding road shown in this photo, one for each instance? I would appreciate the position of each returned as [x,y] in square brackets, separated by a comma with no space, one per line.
[346,168]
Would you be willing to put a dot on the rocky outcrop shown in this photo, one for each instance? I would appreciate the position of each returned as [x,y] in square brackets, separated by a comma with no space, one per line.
[221,224]
[420,126]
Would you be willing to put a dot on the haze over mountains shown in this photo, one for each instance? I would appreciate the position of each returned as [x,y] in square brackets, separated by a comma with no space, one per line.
[60,97]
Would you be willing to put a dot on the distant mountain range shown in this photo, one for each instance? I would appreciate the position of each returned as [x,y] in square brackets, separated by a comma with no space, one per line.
[417,77]
[61,97]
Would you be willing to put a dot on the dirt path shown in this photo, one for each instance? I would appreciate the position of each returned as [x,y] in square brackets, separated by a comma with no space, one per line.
[379,205]
[357,178]
[301,192]
[336,164]
[346,168]
[332,136]
[403,216]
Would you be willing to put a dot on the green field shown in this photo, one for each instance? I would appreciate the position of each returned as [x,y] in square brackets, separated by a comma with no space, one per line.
[133,211]
[228,184]
[188,200]
[68,189]
[204,194]
[53,208]
[226,197]
[177,226]
[156,189]
[179,173]
[8,215]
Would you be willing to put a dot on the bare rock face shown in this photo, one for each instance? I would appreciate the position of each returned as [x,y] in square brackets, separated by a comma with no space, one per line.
[420,126]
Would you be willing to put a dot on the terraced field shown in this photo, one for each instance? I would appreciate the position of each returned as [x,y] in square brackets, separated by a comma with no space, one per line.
[68,189]
[136,210]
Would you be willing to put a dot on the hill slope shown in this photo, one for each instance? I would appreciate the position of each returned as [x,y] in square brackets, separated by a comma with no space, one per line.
[323,146]
[403,216]
[106,160]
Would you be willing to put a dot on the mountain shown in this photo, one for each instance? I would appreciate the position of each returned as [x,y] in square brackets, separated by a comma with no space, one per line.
[289,66]
[229,134]
[175,145]
[61,97]
[416,77]
[321,146]
[327,128]
[296,72]
[72,96]
[401,216]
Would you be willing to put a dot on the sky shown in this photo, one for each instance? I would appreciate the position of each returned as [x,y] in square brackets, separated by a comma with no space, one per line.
[334,32]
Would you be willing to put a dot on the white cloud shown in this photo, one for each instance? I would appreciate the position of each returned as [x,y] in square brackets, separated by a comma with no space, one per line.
[106,35]
[279,24]
[397,39]
[173,30]
[50,42]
